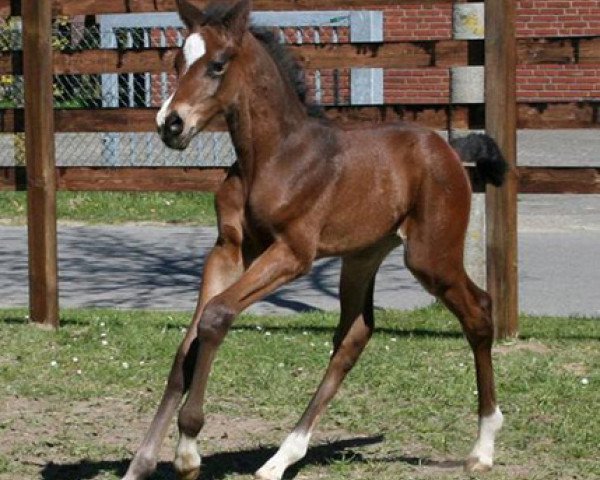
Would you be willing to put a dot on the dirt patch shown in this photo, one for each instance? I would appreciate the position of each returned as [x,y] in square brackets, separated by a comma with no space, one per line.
[578,369]
[75,440]
[521,346]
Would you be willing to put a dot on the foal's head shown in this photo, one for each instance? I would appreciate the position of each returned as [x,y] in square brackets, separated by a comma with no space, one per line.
[206,67]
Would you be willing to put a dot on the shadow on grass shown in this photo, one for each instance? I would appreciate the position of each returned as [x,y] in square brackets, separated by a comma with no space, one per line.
[245,462]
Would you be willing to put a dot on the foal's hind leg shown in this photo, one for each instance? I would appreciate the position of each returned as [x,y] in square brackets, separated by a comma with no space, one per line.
[436,259]
[352,334]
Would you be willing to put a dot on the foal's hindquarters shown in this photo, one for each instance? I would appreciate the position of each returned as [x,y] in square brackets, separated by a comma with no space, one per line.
[433,233]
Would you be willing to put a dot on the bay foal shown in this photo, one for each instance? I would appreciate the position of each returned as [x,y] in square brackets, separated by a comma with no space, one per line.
[302,189]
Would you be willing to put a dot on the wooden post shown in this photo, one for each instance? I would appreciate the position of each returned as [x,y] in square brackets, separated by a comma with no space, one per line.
[41,177]
[501,203]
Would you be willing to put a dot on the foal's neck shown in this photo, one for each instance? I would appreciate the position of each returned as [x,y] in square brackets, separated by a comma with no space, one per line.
[267,112]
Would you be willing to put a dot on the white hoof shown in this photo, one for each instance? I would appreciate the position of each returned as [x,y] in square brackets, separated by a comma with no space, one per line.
[475,465]
[187,459]
[292,449]
[269,472]
[481,457]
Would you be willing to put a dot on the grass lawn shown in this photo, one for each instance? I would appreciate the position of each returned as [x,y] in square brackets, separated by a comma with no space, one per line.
[117,207]
[76,402]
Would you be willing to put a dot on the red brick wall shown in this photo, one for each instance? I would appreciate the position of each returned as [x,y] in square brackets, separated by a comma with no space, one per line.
[418,85]
[542,83]
[558,18]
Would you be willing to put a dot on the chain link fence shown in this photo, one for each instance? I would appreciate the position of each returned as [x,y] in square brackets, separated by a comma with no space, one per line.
[115,149]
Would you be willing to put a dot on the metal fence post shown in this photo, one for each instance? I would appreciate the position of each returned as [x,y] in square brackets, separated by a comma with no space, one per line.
[41,174]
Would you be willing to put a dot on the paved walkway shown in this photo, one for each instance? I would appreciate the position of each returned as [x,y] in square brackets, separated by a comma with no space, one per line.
[157,267]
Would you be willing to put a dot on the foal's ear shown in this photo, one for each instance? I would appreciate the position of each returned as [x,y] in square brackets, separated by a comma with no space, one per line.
[190,14]
[237,19]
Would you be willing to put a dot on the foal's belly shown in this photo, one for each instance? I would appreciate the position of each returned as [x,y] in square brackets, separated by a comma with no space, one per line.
[354,230]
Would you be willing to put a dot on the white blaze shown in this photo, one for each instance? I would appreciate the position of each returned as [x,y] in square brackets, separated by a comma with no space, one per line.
[194,49]
[162,113]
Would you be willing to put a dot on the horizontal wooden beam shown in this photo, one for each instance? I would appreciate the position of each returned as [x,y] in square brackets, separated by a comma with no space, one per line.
[574,180]
[130,179]
[559,180]
[558,115]
[439,53]
[144,119]
[96,7]
[530,116]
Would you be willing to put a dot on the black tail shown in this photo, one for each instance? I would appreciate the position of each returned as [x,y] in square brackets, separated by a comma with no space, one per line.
[483,151]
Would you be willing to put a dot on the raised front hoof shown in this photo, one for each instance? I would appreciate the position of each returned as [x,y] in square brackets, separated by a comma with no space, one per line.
[268,473]
[191,474]
[475,465]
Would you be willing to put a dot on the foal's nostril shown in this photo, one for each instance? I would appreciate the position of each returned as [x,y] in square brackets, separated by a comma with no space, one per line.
[174,124]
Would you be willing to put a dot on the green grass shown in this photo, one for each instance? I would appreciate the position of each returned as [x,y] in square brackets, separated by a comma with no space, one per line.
[118,207]
[414,385]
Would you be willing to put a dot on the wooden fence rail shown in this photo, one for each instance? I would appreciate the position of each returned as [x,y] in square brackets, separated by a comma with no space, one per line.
[568,115]
[422,54]
[97,7]
[576,180]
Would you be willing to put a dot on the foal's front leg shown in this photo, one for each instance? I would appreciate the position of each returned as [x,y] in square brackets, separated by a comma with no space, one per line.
[276,266]
[224,266]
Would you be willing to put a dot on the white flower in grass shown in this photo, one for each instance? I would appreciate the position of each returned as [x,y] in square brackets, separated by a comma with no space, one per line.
[387,348]
[125,365]
[259,328]
[267,334]
[54,363]
[75,360]
[103,335]
[281,365]
[79,372]
[102,324]
[585,381]
[104,343]
[393,339]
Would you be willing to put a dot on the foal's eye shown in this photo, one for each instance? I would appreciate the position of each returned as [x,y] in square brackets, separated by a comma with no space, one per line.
[216,69]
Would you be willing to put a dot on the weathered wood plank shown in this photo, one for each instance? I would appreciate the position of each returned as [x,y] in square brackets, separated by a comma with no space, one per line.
[559,180]
[311,56]
[501,203]
[39,138]
[442,53]
[574,180]
[96,7]
[530,116]
[539,51]
[559,115]
[588,50]
[144,119]
[164,179]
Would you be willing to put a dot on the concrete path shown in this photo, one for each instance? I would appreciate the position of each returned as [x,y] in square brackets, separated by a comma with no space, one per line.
[155,267]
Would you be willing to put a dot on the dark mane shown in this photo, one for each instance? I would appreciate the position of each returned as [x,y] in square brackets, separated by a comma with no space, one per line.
[288,66]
